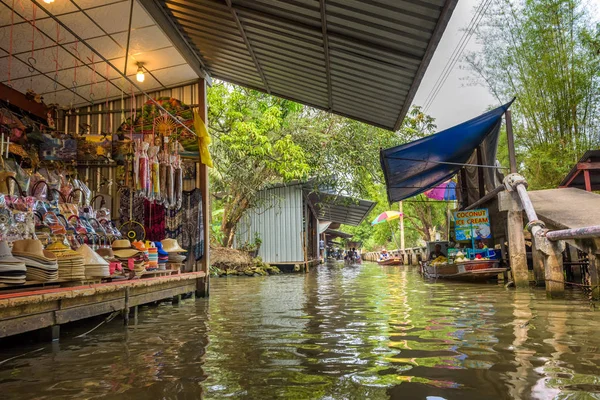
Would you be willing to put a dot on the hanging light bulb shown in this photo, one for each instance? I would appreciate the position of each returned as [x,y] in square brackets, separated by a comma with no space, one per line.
[48,1]
[140,73]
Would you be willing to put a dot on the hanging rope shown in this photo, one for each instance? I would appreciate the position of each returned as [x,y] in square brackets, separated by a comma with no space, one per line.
[10,45]
[93,77]
[107,128]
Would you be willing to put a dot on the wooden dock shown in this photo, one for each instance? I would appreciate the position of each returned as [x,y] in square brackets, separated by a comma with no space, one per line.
[46,307]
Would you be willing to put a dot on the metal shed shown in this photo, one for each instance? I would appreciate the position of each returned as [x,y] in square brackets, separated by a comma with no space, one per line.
[287,221]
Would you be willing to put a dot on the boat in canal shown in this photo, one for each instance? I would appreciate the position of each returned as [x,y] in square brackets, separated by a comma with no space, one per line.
[472,270]
[391,261]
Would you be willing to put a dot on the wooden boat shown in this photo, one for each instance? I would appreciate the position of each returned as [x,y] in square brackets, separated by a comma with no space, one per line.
[391,261]
[476,270]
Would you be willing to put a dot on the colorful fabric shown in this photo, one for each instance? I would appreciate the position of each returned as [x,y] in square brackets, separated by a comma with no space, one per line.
[154,221]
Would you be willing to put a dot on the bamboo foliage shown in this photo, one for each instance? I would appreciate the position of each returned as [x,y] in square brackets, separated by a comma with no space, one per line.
[547,54]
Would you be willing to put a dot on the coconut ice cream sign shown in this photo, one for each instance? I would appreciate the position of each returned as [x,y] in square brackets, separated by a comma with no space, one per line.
[472,224]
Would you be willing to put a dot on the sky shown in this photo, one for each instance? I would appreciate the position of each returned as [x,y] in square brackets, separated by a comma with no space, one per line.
[458,100]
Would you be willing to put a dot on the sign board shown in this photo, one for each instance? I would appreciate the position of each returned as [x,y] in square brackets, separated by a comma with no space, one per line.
[472,224]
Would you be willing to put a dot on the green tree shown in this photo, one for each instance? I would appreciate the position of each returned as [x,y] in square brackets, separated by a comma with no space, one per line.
[547,54]
[253,146]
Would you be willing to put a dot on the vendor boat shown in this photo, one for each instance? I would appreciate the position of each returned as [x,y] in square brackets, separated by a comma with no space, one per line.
[391,261]
[475,270]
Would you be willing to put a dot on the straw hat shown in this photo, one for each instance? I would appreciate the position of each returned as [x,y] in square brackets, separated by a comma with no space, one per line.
[121,244]
[32,248]
[6,256]
[171,246]
[122,249]
[90,257]
[106,253]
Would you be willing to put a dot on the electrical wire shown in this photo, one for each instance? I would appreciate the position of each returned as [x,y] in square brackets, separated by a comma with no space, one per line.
[454,57]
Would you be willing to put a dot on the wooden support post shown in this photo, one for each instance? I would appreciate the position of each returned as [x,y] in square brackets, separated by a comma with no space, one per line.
[510,141]
[594,270]
[203,284]
[400,208]
[538,265]
[555,277]
[516,249]
[126,309]
[135,315]
[55,332]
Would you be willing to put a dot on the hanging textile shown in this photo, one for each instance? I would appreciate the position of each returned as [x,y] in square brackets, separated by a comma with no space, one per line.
[193,231]
[130,207]
[154,221]
[203,140]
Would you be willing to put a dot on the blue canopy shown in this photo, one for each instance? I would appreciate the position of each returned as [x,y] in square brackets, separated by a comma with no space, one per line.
[412,168]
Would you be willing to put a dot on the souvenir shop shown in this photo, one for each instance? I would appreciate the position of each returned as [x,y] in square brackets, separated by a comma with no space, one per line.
[77,206]
[103,182]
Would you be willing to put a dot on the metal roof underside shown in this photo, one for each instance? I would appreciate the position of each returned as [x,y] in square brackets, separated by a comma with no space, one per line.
[338,234]
[49,59]
[357,58]
[339,209]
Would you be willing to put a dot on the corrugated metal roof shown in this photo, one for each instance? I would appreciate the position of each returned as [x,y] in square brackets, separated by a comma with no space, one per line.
[357,58]
[338,208]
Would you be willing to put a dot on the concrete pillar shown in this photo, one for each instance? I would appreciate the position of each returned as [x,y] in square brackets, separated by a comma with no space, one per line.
[516,249]
[555,277]
[538,265]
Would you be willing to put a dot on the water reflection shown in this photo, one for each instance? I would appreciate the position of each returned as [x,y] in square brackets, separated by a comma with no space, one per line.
[339,332]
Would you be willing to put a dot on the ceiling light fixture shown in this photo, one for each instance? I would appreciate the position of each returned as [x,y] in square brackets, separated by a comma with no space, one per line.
[48,1]
[140,73]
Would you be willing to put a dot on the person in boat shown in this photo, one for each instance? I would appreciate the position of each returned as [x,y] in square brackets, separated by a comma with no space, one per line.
[383,255]
[437,252]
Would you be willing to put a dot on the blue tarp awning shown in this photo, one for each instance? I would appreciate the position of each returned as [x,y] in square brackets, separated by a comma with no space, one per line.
[412,168]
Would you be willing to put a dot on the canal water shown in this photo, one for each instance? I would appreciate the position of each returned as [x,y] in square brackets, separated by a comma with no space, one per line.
[362,332]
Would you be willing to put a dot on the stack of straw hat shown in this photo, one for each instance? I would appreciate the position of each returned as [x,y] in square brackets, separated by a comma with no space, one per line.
[12,270]
[124,252]
[108,255]
[41,264]
[95,265]
[163,256]
[70,262]
[174,250]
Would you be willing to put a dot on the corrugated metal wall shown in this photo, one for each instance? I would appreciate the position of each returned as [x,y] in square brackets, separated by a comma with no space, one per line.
[279,222]
[108,122]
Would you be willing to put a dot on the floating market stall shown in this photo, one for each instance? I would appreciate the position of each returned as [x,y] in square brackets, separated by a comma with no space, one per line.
[473,260]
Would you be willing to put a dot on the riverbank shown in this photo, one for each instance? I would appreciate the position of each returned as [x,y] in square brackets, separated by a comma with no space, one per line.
[232,262]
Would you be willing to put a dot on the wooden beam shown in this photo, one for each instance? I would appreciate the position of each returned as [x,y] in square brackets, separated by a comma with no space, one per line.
[588,183]
[572,179]
[588,165]
[18,99]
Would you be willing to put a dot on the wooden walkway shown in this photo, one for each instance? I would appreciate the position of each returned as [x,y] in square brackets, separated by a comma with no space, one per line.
[566,208]
[50,307]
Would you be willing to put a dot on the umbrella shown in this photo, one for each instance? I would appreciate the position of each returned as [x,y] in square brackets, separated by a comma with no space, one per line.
[387,216]
[444,191]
